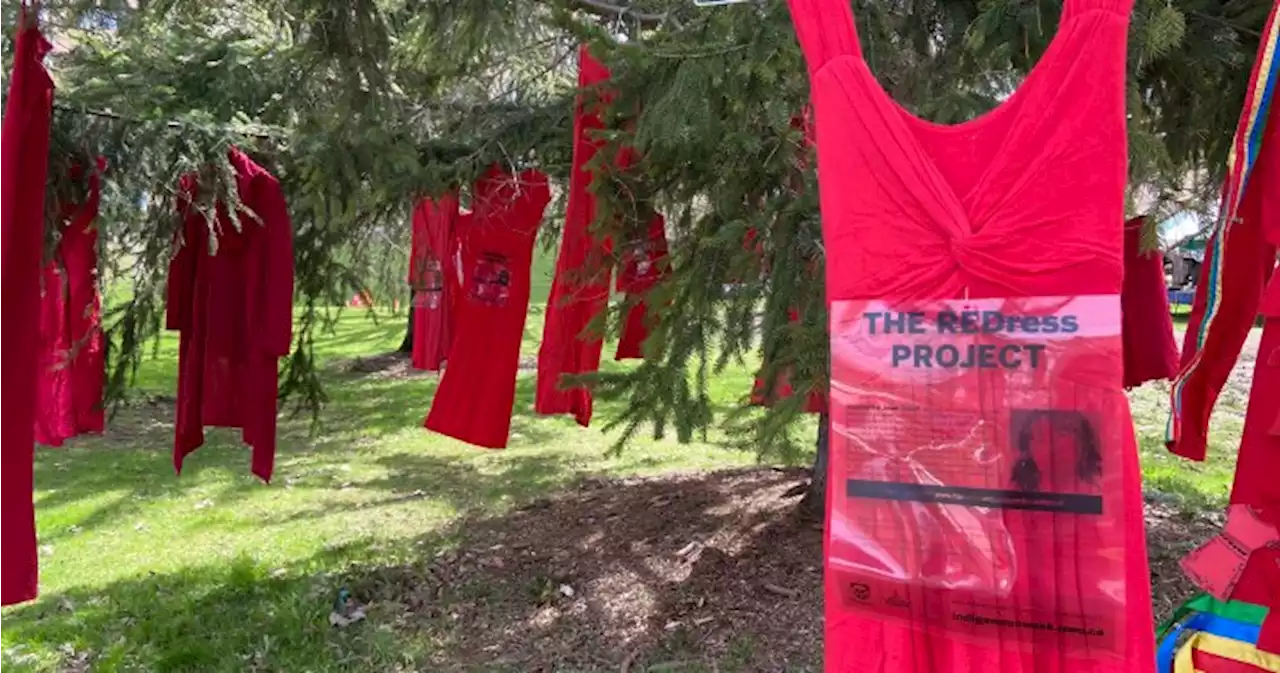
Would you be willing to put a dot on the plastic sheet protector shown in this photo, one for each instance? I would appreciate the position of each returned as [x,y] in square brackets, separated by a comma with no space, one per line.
[975,485]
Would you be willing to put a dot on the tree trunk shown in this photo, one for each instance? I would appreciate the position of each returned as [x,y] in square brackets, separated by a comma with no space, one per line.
[814,503]
[406,346]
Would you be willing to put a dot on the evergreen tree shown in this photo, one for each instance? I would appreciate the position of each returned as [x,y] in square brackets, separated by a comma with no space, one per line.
[362,106]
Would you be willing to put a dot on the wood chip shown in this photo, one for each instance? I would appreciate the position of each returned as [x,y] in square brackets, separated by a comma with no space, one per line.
[781,591]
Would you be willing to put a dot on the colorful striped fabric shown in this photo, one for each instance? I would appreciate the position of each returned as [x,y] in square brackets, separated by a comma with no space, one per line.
[1207,653]
[1222,637]
[1240,161]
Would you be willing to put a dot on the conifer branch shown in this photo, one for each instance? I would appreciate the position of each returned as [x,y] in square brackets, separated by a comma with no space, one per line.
[602,8]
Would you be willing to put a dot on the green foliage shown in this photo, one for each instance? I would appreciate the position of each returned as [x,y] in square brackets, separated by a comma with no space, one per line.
[360,107]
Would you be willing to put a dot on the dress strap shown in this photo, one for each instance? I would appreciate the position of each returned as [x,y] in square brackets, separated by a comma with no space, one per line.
[826,30]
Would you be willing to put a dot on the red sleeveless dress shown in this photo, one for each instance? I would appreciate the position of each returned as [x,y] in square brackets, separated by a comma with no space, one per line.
[1025,201]
[430,265]
[474,400]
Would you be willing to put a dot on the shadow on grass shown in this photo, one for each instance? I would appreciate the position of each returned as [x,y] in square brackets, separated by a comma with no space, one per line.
[656,571]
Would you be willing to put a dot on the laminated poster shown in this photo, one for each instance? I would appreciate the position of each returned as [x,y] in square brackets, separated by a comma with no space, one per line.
[975,483]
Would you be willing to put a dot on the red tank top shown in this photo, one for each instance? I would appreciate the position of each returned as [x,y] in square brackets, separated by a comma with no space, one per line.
[1025,201]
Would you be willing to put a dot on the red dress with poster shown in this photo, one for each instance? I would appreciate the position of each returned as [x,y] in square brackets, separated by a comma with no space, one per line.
[233,309]
[978,545]
[644,264]
[24,144]
[1150,351]
[430,265]
[473,402]
[71,357]
[580,289]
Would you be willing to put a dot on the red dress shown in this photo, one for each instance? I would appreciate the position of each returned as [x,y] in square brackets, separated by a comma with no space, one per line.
[24,144]
[816,402]
[580,289]
[72,368]
[1150,351]
[233,310]
[1024,202]
[429,268]
[644,264]
[473,402]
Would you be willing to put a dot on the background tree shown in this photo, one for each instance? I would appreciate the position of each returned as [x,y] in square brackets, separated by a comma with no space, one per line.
[362,106]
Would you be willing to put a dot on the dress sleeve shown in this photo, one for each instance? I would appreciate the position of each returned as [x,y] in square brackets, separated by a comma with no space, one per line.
[276,308]
[182,267]
[1237,266]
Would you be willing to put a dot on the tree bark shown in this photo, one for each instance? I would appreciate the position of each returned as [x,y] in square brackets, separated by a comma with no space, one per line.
[406,346]
[814,503]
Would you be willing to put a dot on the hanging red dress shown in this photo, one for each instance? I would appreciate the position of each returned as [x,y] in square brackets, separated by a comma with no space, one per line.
[644,264]
[1238,282]
[1150,351]
[580,289]
[72,365]
[816,402]
[474,400]
[232,306]
[1022,206]
[25,149]
[430,266]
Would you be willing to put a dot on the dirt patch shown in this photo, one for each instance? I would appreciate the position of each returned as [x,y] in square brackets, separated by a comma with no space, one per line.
[393,365]
[704,572]
[1171,533]
[399,366]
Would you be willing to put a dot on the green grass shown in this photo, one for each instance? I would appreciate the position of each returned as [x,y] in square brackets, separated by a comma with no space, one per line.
[212,571]
[150,571]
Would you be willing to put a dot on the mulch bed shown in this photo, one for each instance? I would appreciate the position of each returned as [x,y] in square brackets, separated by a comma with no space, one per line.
[709,571]
[399,366]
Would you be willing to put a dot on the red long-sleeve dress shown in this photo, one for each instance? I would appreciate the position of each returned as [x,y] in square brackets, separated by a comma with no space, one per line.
[474,400]
[1238,282]
[72,365]
[430,266]
[233,309]
[580,289]
[24,145]
[1021,207]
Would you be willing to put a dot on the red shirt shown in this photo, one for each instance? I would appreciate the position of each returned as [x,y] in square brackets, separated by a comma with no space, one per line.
[1024,201]
[72,365]
[473,402]
[233,310]
[430,266]
[580,289]
[25,148]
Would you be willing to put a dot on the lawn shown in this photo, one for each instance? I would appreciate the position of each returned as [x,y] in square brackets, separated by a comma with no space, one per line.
[462,559]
